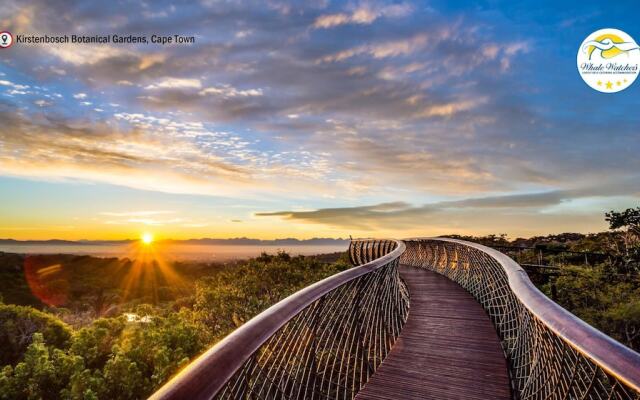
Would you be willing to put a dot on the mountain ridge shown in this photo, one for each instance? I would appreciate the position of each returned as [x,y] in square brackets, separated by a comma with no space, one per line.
[202,241]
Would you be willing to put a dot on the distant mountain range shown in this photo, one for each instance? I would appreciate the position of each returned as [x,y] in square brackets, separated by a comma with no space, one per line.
[204,241]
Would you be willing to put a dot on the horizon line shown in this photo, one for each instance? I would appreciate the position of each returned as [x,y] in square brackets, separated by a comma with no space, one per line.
[281,239]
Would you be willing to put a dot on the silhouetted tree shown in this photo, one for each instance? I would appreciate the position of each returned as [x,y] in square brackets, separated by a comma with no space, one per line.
[626,243]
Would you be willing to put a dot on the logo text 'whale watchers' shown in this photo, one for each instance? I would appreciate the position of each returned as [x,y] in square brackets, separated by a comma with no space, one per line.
[609,60]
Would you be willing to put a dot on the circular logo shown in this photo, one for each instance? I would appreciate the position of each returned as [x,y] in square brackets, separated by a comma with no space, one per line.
[6,40]
[608,60]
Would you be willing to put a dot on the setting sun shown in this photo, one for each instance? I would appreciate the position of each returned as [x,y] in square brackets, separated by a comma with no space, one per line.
[146,238]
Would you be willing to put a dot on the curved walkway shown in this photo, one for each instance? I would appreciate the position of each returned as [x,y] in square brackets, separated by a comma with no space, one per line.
[448,348]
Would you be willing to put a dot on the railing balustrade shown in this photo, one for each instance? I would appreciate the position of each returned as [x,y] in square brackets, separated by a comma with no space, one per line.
[323,342]
[551,353]
[327,340]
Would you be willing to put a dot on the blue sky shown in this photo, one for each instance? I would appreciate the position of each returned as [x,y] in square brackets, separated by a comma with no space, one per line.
[312,119]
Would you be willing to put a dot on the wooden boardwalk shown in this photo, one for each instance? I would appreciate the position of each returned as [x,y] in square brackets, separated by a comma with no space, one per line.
[448,348]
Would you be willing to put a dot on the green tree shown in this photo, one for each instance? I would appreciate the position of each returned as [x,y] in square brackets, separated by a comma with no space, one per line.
[607,302]
[626,244]
[43,372]
[95,342]
[20,323]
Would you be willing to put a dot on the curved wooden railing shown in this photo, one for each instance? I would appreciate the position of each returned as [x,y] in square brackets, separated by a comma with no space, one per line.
[552,354]
[323,342]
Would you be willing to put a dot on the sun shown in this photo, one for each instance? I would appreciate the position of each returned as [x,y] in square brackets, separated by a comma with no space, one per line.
[146,238]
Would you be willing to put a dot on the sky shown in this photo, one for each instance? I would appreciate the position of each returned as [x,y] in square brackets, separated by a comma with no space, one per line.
[312,119]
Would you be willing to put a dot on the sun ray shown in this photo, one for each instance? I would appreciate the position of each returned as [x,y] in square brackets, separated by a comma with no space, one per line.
[149,270]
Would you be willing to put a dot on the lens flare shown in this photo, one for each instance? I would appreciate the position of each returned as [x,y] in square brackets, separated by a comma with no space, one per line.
[49,283]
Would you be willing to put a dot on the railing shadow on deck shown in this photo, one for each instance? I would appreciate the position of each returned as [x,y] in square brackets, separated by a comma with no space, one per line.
[325,341]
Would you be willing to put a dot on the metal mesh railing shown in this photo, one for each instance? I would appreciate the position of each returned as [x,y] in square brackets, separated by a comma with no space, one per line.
[323,342]
[551,353]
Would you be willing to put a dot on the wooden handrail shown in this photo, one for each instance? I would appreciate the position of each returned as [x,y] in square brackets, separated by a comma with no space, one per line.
[538,334]
[207,375]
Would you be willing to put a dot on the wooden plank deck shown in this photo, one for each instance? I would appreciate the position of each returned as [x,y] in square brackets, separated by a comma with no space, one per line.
[448,348]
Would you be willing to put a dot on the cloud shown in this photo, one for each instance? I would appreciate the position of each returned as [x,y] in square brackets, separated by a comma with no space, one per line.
[85,54]
[400,99]
[176,83]
[229,91]
[401,215]
[399,210]
[102,152]
[381,50]
[150,218]
[154,221]
[364,14]
[150,153]
[195,225]
[13,85]
[243,33]
[363,217]
[452,108]
[331,20]
[143,213]
[80,96]
[511,50]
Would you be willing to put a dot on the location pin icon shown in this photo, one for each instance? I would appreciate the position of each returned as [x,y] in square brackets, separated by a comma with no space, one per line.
[4,38]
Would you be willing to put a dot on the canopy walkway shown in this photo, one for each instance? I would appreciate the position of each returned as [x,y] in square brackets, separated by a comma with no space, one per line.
[462,359]
[425,318]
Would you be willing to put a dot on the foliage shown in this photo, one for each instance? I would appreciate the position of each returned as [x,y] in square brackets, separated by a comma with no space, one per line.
[20,323]
[488,240]
[626,245]
[95,286]
[14,288]
[243,291]
[43,373]
[124,345]
[629,219]
[602,300]
[595,276]
[131,355]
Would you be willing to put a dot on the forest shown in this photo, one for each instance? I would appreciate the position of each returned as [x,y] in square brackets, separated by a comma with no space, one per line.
[89,333]
[80,327]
